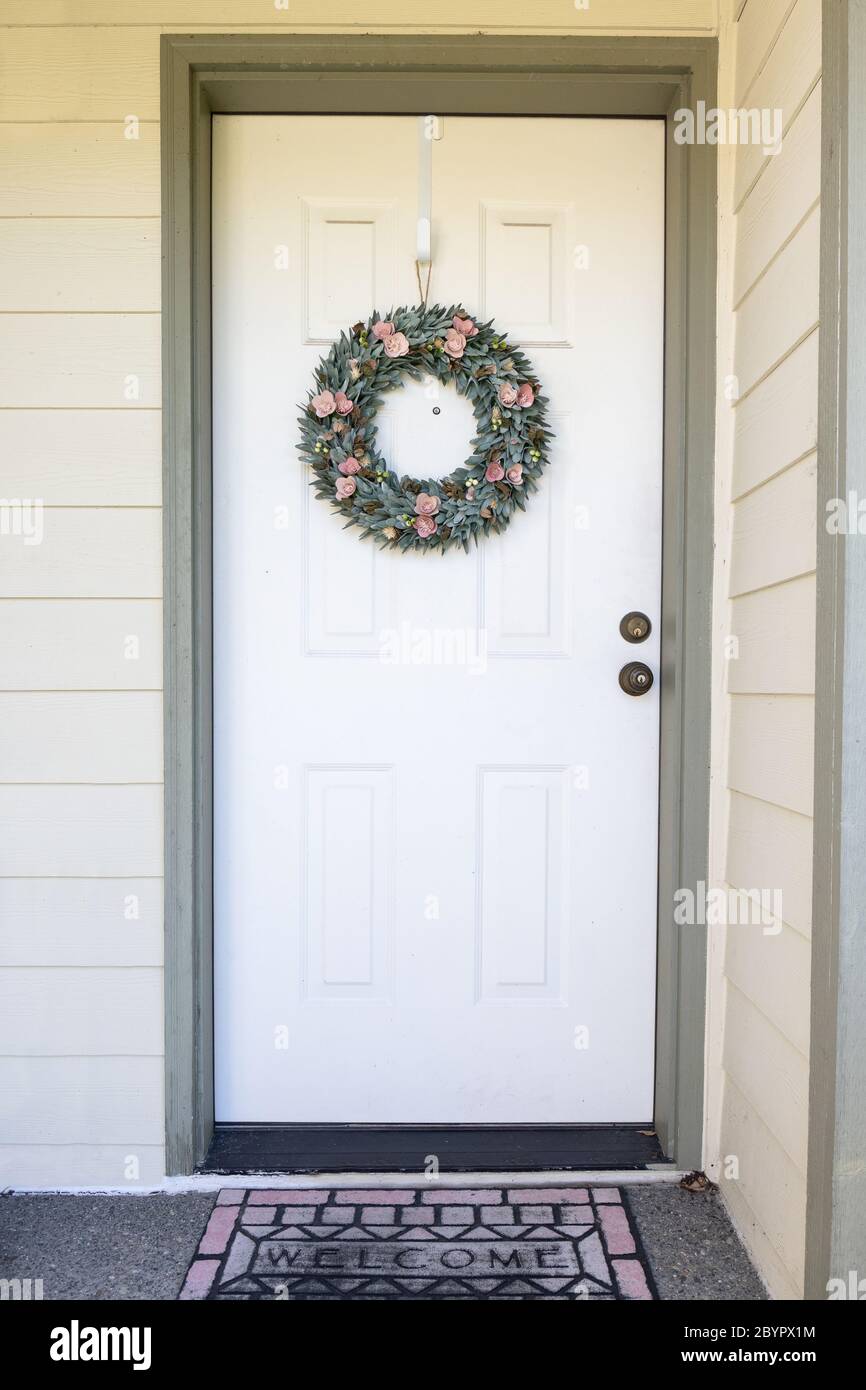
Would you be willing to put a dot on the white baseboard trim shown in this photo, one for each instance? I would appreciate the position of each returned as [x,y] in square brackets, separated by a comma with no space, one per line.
[212,1182]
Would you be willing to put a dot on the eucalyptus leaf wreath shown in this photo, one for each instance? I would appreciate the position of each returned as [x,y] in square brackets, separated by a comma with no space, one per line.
[508,453]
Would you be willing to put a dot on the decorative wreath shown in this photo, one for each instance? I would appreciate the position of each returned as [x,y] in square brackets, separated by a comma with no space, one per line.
[338,429]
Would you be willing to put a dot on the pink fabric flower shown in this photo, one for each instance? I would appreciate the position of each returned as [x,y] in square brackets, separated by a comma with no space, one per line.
[494,472]
[508,393]
[396,344]
[343,404]
[455,343]
[383,329]
[525,396]
[348,466]
[465,326]
[324,404]
[515,475]
[426,504]
[345,488]
[425,526]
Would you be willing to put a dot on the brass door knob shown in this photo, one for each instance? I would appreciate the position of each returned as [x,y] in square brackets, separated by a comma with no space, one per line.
[635,627]
[636,679]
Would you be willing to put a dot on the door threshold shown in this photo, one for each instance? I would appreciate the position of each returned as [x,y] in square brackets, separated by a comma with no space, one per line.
[307,1148]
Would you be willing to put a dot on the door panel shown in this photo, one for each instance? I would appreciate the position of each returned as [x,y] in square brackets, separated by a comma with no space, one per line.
[435,810]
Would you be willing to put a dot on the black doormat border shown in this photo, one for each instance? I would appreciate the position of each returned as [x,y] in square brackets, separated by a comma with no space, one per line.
[409,1148]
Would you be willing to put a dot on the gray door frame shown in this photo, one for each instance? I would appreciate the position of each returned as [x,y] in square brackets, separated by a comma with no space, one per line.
[203,75]
[836,1176]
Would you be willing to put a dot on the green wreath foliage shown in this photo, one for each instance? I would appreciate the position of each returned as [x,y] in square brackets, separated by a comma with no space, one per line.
[508,453]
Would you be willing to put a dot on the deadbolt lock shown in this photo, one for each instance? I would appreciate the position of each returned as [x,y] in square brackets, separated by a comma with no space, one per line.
[635,627]
[636,679]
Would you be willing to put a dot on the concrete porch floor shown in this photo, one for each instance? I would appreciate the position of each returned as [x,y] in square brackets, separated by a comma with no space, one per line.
[93,1247]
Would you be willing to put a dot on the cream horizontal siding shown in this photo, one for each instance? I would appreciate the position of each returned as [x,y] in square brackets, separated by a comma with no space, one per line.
[88,831]
[81,458]
[81,1100]
[88,1164]
[79,74]
[775,632]
[86,264]
[782,200]
[756,960]
[81,736]
[80,922]
[78,169]
[87,552]
[46,1013]
[771,743]
[107,361]
[81,851]
[774,530]
[758,30]
[776,425]
[81,644]
[771,846]
[762,995]
[783,83]
[770,1073]
[767,1194]
[781,309]
[298,16]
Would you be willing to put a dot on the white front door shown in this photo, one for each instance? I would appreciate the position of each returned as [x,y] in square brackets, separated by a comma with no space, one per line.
[435,809]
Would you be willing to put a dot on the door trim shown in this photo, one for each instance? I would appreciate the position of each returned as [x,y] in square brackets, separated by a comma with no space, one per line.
[203,75]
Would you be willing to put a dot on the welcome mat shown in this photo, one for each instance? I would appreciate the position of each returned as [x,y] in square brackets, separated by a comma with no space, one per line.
[428,1243]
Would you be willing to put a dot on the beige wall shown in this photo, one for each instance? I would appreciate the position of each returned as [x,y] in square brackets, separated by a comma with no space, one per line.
[80,712]
[758,1026]
[81,1097]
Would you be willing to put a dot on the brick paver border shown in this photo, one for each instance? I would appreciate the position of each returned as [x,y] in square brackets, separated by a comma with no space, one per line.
[430,1242]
